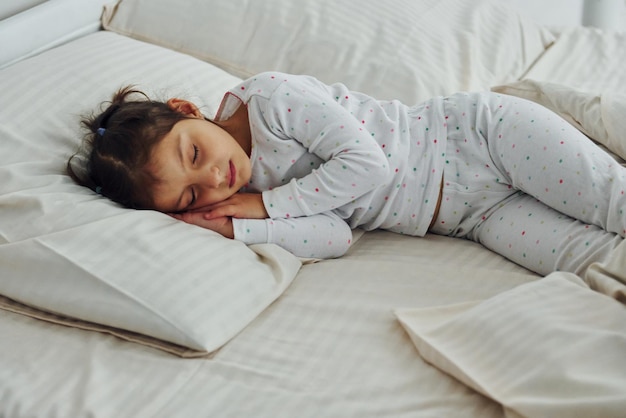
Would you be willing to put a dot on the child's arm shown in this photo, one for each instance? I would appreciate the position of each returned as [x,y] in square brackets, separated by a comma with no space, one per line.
[304,110]
[324,235]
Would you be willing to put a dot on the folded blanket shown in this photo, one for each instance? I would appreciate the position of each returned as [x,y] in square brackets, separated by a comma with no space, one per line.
[549,348]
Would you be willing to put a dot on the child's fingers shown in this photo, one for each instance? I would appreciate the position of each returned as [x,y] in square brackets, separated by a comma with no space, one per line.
[221,212]
[240,205]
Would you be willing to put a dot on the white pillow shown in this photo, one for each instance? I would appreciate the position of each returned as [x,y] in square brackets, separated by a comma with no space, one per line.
[406,49]
[549,348]
[589,58]
[45,26]
[599,115]
[67,250]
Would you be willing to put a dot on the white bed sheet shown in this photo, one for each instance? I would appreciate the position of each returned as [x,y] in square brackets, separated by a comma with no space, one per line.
[330,346]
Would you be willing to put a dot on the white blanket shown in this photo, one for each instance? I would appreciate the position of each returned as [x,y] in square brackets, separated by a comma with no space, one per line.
[550,348]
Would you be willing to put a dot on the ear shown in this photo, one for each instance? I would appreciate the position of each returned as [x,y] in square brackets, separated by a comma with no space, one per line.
[185,107]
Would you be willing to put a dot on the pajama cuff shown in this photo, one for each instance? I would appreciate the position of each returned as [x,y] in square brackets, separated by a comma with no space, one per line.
[250,231]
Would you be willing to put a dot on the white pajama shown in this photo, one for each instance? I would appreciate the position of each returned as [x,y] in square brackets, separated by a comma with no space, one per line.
[526,184]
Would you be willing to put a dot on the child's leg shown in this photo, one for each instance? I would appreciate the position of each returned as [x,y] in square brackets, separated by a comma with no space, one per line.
[541,154]
[541,239]
[500,145]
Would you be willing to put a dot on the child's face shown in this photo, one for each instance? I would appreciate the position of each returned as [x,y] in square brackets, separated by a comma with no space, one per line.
[197,164]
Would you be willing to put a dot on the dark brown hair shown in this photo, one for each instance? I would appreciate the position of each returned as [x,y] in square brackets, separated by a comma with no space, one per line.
[119,142]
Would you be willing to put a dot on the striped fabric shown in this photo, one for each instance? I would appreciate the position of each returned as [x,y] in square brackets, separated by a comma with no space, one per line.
[599,61]
[401,49]
[551,348]
[329,346]
[57,22]
[66,250]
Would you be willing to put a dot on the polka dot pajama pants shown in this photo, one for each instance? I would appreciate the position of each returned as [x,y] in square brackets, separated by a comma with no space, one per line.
[526,184]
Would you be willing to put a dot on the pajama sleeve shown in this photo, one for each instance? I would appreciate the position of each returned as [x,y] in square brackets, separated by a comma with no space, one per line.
[324,235]
[304,110]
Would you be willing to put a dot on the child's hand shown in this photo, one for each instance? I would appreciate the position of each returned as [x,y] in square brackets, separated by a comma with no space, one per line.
[239,205]
[222,225]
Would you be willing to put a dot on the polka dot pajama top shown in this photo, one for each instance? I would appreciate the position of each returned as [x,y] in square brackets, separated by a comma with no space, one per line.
[328,159]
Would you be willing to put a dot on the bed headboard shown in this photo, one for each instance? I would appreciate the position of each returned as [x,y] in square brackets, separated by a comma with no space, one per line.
[29,27]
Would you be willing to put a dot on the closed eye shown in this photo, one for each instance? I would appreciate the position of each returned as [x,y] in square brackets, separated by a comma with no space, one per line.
[191,201]
[195,154]
[193,198]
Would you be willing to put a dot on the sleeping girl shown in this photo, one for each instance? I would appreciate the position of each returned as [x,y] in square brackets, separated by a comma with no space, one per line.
[292,161]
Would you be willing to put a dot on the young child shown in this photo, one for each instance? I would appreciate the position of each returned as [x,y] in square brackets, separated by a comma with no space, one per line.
[292,161]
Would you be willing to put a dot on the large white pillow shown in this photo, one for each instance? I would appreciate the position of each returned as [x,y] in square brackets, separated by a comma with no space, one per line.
[46,25]
[66,250]
[403,49]
[550,348]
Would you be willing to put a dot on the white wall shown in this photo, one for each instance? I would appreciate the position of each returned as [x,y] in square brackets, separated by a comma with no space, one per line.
[609,14]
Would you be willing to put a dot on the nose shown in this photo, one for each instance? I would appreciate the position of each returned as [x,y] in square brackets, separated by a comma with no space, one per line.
[214,177]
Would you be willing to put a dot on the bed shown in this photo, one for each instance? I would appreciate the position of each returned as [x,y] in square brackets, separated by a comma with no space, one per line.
[111,312]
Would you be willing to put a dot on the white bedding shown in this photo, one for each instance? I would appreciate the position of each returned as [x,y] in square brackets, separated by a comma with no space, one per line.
[330,344]
[45,26]
[518,347]
[584,58]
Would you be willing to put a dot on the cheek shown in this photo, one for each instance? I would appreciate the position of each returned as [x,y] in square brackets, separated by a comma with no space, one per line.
[246,170]
[212,197]
[159,198]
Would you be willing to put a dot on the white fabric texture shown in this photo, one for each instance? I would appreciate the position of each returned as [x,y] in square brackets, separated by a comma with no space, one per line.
[66,250]
[585,58]
[550,348]
[599,113]
[56,21]
[12,7]
[330,346]
[405,49]
[570,211]
[609,277]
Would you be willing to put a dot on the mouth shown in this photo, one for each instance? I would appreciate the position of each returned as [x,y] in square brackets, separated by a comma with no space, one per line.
[233,174]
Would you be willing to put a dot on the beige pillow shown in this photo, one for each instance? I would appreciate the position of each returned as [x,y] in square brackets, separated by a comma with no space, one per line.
[549,348]
[63,249]
[609,276]
[406,49]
